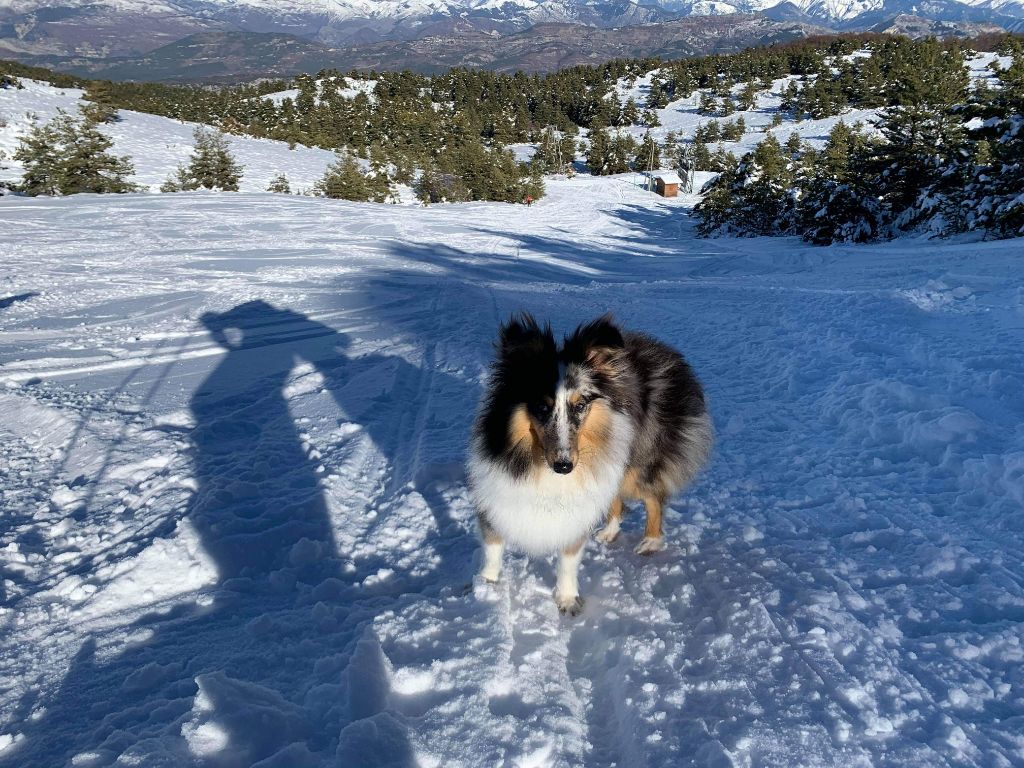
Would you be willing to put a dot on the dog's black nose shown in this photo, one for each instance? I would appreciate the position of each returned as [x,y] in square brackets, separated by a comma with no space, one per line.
[562,467]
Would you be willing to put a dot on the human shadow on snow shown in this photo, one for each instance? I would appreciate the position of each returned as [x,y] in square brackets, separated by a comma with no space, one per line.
[287,670]
[10,301]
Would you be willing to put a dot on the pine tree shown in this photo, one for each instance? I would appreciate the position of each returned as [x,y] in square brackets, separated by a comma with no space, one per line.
[433,186]
[981,187]
[748,96]
[305,101]
[179,181]
[734,130]
[622,151]
[89,167]
[768,197]
[922,131]
[567,147]
[1007,149]
[67,156]
[837,203]
[793,144]
[648,155]
[650,118]
[598,151]
[708,104]
[700,155]
[869,83]
[490,173]
[531,187]
[714,211]
[656,97]
[549,155]
[836,212]
[630,112]
[344,180]
[682,161]
[671,146]
[791,99]
[40,153]
[721,160]
[279,184]
[102,93]
[821,99]
[710,132]
[212,165]
[99,112]
[755,196]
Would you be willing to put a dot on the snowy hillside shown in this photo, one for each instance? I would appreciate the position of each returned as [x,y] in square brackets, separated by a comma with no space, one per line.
[683,116]
[235,529]
[348,88]
[156,145]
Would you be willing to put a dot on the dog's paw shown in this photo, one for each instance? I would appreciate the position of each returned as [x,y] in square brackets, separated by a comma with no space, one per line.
[608,534]
[484,589]
[570,604]
[649,545]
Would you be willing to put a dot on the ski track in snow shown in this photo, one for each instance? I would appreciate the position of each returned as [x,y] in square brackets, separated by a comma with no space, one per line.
[235,530]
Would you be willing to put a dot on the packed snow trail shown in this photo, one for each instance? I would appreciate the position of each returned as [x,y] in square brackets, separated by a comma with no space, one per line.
[235,530]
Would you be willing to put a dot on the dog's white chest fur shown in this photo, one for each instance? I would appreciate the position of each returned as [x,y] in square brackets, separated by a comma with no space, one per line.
[545,511]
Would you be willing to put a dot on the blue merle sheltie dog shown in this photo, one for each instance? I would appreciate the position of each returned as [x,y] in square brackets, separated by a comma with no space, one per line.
[566,434]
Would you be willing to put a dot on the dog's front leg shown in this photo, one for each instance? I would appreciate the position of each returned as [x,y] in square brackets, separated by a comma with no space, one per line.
[494,548]
[567,588]
[610,532]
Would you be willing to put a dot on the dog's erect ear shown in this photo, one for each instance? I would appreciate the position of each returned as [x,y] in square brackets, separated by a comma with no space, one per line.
[524,334]
[597,342]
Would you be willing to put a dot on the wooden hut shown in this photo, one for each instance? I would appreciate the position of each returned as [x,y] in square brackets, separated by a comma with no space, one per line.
[665,183]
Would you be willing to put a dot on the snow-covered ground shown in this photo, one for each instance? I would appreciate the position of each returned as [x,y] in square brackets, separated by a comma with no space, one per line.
[235,529]
[156,145]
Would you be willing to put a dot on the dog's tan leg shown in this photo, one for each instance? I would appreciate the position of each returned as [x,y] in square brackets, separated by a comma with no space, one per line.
[652,540]
[494,548]
[567,588]
[610,532]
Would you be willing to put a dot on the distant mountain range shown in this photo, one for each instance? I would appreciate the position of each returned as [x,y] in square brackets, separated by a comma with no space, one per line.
[235,39]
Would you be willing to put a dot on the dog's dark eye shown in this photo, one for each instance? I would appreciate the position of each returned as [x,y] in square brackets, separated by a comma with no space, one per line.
[542,410]
[580,407]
